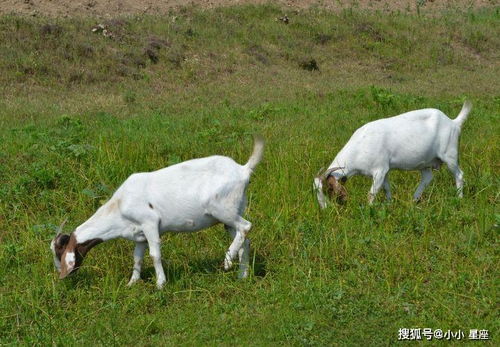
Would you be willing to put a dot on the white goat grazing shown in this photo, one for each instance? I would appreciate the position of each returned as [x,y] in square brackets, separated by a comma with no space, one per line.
[417,140]
[185,197]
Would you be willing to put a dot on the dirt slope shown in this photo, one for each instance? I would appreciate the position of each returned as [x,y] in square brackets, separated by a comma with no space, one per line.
[113,8]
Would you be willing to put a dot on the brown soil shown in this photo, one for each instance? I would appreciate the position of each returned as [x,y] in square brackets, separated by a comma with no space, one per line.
[113,8]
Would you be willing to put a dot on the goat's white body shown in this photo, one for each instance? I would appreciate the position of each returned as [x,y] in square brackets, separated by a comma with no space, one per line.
[411,141]
[180,195]
[185,197]
[416,140]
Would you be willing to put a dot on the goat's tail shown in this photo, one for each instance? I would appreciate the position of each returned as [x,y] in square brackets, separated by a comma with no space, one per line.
[258,150]
[464,113]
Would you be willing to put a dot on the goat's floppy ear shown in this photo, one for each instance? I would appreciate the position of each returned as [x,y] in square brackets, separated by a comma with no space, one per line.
[57,246]
[334,188]
[60,243]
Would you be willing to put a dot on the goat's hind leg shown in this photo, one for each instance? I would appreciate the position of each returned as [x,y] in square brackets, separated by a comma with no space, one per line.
[451,160]
[459,177]
[236,224]
[239,244]
[243,254]
[140,248]
[450,157]
[424,182]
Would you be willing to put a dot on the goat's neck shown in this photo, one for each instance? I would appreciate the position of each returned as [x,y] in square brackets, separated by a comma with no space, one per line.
[344,170]
[106,224]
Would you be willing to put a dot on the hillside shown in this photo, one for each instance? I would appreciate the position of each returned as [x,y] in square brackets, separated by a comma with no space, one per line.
[113,8]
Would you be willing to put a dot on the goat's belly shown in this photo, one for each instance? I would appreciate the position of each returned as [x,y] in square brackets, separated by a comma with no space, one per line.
[187,225]
[134,234]
[434,163]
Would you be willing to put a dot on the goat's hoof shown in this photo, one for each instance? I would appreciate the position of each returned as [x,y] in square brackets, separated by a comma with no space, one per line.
[227,264]
[243,274]
[132,281]
[159,285]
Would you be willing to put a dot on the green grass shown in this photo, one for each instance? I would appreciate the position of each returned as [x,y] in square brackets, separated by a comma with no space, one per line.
[80,112]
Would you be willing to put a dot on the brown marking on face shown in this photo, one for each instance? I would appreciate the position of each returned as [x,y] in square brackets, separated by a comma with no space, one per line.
[335,189]
[70,248]
[79,250]
[150,205]
[85,247]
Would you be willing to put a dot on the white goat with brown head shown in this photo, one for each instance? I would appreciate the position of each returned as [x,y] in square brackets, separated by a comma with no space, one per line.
[417,140]
[185,197]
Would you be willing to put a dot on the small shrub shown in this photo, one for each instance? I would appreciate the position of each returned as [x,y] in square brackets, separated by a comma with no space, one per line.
[153,47]
[157,43]
[176,57]
[382,97]
[51,29]
[85,50]
[38,178]
[258,53]
[76,77]
[309,64]
[79,151]
[322,39]
[477,40]
[152,54]
[129,97]
[370,30]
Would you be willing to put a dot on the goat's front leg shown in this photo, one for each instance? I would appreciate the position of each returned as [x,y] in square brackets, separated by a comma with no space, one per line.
[140,248]
[152,234]
[378,181]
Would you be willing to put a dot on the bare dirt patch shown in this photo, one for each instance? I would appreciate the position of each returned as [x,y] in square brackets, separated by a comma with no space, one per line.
[113,8]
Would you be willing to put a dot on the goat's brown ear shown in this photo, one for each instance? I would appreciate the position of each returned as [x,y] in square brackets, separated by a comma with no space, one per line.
[335,189]
[61,240]
[60,243]
[331,186]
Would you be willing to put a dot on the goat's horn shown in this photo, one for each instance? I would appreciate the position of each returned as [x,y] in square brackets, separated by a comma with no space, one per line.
[319,172]
[60,228]
[329,171]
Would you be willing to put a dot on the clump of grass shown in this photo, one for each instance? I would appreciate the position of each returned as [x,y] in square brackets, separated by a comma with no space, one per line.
[129,97]
[309,64]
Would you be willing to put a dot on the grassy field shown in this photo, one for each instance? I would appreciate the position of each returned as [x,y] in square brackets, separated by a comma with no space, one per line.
[79,112]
